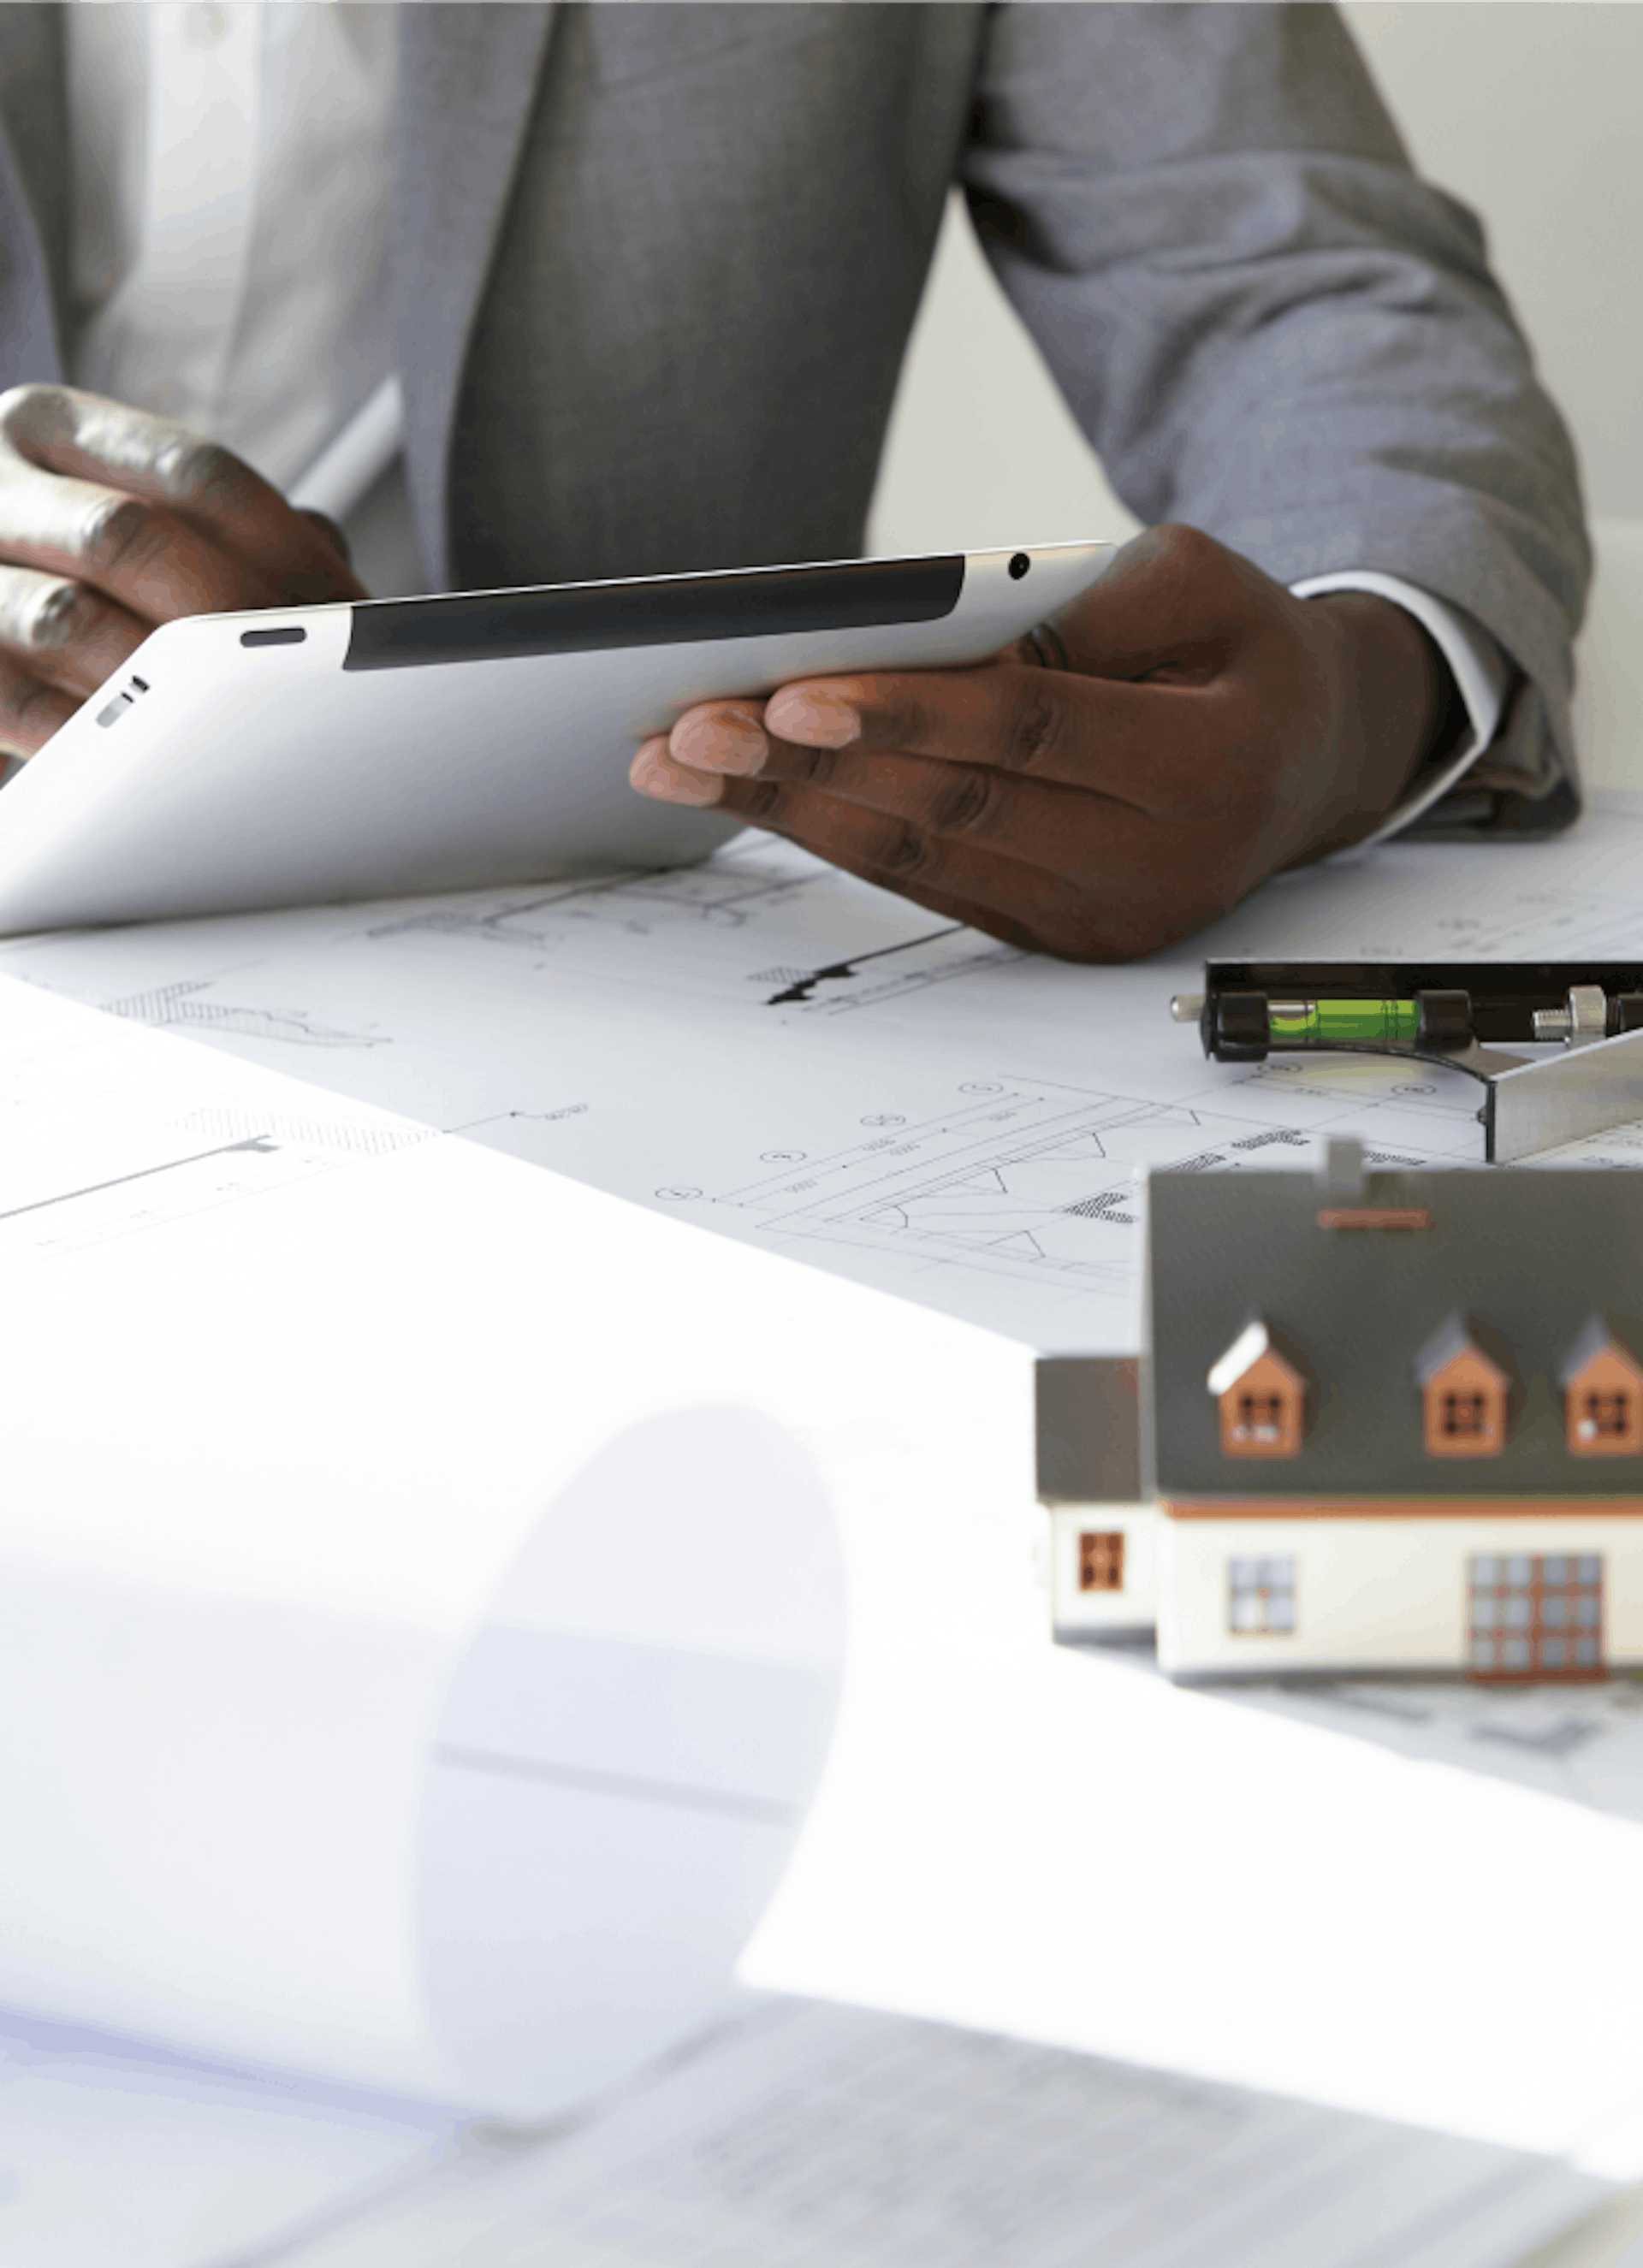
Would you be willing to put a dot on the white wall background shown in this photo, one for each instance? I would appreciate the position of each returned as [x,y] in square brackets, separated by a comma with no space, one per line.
[1526,109]
[1529,111]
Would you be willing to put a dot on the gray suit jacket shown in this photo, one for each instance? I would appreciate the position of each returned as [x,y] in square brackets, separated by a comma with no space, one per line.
[656,267]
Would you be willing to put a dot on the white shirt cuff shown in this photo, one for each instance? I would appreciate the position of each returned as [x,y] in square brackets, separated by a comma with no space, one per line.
[1480,668]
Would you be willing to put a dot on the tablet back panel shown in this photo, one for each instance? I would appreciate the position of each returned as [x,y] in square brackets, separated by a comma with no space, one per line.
[403,746]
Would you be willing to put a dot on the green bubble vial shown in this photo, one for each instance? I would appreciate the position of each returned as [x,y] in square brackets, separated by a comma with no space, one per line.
[1344,1023]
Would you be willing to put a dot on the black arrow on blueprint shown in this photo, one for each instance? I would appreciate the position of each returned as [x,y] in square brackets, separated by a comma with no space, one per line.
[806,985]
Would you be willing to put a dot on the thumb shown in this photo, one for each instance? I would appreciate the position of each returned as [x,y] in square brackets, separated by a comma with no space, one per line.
[1174,602]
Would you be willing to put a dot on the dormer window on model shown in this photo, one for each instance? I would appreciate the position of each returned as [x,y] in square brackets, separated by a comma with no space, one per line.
[1603,1393]
[1466,1391]
[1262,1391]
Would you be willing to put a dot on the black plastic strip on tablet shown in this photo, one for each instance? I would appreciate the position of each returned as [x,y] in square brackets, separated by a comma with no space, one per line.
[588,618]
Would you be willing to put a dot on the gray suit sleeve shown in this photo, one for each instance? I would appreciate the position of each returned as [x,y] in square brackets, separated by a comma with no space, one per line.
[1269,328]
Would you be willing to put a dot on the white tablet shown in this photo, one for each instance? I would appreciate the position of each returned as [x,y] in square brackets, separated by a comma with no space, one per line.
[403,745]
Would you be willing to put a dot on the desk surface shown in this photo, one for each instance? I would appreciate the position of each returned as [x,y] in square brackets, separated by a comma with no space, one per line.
[1342,1906]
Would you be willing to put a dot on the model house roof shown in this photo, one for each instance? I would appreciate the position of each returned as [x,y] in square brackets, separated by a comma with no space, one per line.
[1455,1335]
[1257,1338]
[1599,1334]
[1089,1430]
[1371,1286]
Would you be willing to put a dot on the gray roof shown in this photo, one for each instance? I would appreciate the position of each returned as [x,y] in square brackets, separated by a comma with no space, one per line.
[1597,1333]
[1457,1333]
[1525,1255]
[1089,1431]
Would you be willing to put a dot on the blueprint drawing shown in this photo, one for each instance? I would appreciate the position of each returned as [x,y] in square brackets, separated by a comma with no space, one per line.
[192,1131]
[775,1050]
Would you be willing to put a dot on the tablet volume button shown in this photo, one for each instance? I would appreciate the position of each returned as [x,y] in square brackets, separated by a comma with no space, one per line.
[122,701]
[289,633]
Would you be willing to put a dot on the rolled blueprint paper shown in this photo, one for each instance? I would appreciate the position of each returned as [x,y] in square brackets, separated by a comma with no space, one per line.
[420,1611]
[504,1870]
[626,1752]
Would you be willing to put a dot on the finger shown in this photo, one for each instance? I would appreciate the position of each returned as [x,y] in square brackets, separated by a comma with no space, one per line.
[36,611]
[858,835]
[62,632]
[1131,742]
[722,736]
[139,554]
[95,448]
[332,533]
[1010,897]
[1035,821]
[994,920]
[1121,901]
[655,773]
[1140,748]
[30,709]
[1128,899]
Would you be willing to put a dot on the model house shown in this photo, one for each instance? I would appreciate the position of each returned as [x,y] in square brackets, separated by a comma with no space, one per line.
[1382,1422]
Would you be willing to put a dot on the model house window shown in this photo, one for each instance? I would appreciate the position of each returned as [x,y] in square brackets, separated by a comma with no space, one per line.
[1603,1391]
[1604,1415]
[1535,1616]
[1261,1396]
[1260,1419]
[1464,1415]
[1260,1596]
[1465,1392]
[1101,1561]
[1262,1422]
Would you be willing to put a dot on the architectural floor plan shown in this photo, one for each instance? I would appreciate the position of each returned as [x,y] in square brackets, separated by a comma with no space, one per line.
[770,1048]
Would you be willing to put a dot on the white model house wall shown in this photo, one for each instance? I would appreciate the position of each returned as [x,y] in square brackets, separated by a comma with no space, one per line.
[1371,1593]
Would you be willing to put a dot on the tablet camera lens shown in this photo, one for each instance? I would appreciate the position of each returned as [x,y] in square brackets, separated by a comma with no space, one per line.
[1019,566]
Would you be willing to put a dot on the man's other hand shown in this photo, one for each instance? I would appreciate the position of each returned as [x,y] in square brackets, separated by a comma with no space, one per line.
[111,521]
[1208,730]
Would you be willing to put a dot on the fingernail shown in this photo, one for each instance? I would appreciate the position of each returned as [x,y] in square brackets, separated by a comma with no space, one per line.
[723,740]
[654,773]
[821,720]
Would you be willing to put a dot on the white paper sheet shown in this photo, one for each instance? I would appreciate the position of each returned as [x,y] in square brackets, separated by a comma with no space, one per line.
[844,2139]
[113,2156]
[768,1048]
[787,2132]
[420,1604]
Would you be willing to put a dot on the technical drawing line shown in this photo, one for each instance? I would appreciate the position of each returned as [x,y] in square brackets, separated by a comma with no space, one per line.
[712,896]
[1093,1116]
[728,1805]
[260,1143]
[906,1142]
[804,986]
[461,918]
[172,1003]
[353,1141]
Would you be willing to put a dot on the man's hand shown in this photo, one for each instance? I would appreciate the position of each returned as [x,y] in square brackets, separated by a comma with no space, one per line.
[111,521]
[1209,730]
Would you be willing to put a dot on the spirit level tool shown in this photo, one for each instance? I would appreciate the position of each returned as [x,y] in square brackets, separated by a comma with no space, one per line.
[1454,1014]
